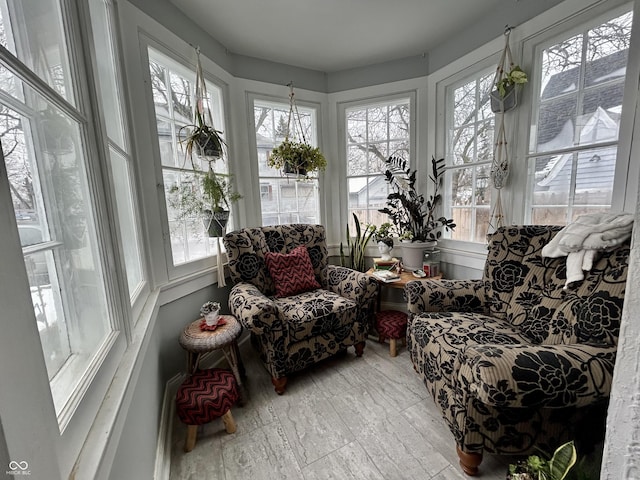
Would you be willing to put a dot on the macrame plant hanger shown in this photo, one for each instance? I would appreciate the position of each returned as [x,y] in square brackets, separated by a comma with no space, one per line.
[294,116]
[202,107]
[294,124]
[500,163]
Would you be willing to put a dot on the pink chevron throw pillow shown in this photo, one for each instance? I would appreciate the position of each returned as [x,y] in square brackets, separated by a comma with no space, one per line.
[291,272]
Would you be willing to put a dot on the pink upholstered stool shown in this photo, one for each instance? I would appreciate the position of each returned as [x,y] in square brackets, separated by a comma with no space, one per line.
[391,324]
[203,397]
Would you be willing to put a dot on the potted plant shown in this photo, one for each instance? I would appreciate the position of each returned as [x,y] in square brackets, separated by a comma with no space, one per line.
[297,158]
[357,246]
[413,215]
[209,198]
[537,468]
[504,96]
[201,138]
[210,312]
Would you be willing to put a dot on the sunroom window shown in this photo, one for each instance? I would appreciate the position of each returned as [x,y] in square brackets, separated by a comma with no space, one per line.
[576,120]
[284,199]
[44,138]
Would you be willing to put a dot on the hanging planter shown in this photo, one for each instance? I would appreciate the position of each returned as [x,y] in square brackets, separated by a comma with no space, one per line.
[504,97]
[293,157]
[200,137]
[215,222]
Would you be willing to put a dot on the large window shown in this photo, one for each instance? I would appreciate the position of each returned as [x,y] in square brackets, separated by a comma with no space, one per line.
[110,90]
[469,155]
[47,149]
[283,199]
[173,93]
[576,119]
[374,132]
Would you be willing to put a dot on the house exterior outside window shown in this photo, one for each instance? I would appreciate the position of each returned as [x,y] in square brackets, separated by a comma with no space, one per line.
[575,122]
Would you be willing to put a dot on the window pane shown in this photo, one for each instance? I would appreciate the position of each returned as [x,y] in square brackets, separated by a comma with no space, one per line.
[32,31]
[374,133]
[470,153]
[126,217]
[580,105]
[107,73]
[172,86]
[45,162]
[284,200]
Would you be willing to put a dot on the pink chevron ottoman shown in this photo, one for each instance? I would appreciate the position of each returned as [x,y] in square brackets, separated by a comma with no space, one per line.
[203,397]
[391,324]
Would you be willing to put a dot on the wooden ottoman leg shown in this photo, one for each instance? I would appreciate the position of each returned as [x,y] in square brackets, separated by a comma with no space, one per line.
[192,434]
[229,422]
[392,347]
[469,461]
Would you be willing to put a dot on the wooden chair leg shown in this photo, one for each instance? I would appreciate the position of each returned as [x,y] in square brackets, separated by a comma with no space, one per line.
[229,422]
[359,348]
[393,347]
[280,384]
[469,461]
[192,434]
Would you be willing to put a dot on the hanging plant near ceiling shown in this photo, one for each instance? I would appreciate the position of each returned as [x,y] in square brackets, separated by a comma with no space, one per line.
[295,155]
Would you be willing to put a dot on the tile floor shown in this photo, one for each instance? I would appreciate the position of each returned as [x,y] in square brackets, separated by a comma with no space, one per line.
[346,418]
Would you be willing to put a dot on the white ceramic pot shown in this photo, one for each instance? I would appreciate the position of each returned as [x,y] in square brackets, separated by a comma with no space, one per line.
[212,318]
[413,254]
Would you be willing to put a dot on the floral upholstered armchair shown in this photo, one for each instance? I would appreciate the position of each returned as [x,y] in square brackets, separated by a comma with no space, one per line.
[515,361]
[298,308]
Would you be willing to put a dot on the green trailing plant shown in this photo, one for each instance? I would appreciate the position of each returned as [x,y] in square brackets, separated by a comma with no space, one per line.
[537,468]
[297,157]
[413,215]
[386,230]
[357,246]
[201,139]
[208,197]
[515,77]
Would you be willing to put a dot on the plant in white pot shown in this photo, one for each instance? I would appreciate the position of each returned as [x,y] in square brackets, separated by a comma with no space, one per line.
[210,311]
[413,215]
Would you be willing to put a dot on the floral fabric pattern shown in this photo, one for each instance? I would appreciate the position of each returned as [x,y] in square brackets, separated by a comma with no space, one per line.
[294,332]
[515,361]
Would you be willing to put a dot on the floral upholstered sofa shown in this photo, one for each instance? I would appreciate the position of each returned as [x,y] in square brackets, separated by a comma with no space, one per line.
[514,361]
[293,331]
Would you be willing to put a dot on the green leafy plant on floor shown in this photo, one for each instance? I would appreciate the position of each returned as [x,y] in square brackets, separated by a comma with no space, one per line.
[537,468]
[357,246]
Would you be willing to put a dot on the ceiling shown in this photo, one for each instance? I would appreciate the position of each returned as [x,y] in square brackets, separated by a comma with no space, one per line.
[333,35]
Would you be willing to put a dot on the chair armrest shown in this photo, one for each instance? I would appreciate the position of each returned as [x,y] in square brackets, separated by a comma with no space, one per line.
[255,311]
[537,375]
[445,296]
[352,284]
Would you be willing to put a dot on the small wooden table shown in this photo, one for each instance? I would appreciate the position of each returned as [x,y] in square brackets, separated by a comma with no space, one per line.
[225,337]
[405,277]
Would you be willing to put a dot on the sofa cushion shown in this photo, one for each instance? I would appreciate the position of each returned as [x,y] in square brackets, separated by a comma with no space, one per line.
[443,336]
[315,313]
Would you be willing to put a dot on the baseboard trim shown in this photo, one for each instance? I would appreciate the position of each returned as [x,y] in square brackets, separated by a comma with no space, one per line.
[165,431]
[393,306]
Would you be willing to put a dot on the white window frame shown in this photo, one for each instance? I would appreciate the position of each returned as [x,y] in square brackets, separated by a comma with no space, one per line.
[204,264]
[308,108]
[532,48]
[449,88]
[386,99]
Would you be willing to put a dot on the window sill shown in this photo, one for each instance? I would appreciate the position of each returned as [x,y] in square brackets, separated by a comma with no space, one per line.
[101,443]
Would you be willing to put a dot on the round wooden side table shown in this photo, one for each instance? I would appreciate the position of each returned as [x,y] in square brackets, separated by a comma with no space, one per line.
[225,337]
